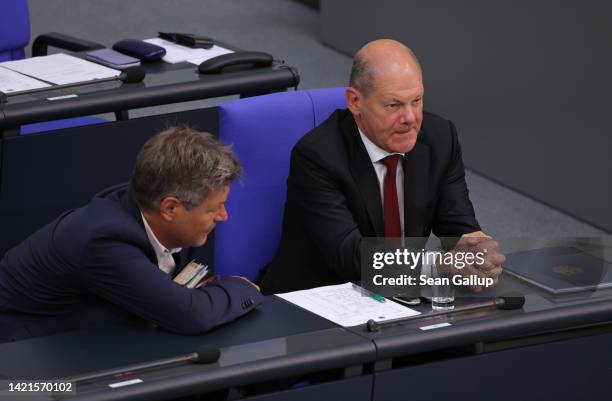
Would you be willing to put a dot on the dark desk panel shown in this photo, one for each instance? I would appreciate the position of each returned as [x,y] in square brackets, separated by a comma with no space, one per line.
[354,389]
[132,96]
[245,364]
[102,348]
[479,355]
[555,347]
[541,313]
[275,341]
[575,369]
[164,84]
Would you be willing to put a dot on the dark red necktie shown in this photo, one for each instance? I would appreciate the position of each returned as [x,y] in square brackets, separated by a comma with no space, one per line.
[393,227]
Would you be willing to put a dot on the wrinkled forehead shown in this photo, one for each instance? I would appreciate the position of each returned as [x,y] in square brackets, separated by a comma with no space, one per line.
[397,87]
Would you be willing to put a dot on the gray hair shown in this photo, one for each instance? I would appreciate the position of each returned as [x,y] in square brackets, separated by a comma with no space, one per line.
[184,163]
[363,72]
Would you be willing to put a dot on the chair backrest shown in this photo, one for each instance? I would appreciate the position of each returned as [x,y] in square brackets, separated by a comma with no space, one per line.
[262,130]
[14,29]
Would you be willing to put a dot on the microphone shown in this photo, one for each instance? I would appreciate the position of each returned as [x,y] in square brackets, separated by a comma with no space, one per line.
[509,301]
[206,353]
[130,75]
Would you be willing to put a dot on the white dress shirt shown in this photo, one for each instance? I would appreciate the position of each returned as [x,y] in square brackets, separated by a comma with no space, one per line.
[165,261]
[376,155]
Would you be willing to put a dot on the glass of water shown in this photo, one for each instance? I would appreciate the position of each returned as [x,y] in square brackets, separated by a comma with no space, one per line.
[442,291]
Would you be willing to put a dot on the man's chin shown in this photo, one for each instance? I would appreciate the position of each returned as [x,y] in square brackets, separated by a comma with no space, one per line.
[201,242]
[403,143]
[403,147]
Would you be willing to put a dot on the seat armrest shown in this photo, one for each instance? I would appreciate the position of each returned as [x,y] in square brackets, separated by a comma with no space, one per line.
[59,40]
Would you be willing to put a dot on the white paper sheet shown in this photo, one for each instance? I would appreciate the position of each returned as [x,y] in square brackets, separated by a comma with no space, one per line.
[345,305]
[177,53]
[11,81]
[210,53]
[61,69]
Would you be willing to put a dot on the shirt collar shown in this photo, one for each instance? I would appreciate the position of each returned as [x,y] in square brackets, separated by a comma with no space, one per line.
[374,151]
[157,246]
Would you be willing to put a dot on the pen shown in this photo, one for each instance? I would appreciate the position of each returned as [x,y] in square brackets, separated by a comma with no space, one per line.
[374,296]
[187,39]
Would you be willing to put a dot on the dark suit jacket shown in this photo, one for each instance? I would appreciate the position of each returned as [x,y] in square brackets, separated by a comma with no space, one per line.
[95,264]
[333,200]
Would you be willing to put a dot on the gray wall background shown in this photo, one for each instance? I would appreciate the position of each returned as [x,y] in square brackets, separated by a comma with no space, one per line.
[528,84]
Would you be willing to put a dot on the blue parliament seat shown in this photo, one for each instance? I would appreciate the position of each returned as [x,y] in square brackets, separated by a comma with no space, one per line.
[14,30]
[15,36]
[262,130]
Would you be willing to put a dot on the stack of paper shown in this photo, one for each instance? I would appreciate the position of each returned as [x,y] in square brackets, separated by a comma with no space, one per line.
[346,305]
[177,53]
[60,69]
[11,81]
[192,274]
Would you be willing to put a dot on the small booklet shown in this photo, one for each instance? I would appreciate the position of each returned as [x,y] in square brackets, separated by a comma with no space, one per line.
[112,58]
[192,274]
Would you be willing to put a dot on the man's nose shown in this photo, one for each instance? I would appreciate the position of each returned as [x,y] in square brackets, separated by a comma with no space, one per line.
[408,116]
[222,215]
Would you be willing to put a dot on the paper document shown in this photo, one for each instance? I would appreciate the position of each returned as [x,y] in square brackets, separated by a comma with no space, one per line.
[11,81]
[192,274]
[178,53]
[61,69]
[345,305]
[210,53]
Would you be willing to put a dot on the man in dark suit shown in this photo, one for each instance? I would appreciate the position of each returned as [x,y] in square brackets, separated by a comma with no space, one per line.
[382,168]
[115,258]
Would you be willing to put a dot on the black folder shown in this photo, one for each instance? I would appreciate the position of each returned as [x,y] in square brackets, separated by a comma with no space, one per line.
[560,270]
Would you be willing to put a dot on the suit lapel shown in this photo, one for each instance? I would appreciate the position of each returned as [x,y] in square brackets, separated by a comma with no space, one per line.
[416,189]
[364,174]
[129,204]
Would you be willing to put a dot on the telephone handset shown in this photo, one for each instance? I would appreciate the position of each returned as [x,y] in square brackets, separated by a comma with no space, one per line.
[216,65]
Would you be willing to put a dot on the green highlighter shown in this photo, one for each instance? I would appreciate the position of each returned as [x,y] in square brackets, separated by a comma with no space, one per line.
[374,296]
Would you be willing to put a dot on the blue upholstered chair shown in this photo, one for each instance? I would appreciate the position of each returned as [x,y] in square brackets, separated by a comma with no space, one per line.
[262,131]
[14,29]
[15,36]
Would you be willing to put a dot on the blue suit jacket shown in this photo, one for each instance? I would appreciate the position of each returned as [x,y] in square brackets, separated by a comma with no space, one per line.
[95,264]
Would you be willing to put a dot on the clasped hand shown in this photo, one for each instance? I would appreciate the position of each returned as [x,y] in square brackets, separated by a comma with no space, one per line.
[488,265]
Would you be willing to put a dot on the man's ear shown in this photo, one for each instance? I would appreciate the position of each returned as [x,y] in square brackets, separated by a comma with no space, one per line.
[168,207]
[353,100]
